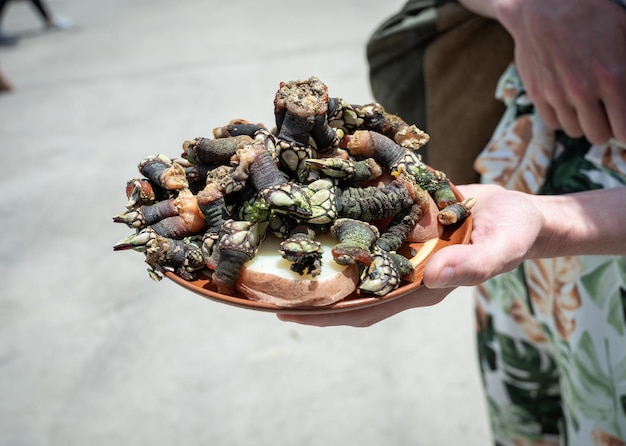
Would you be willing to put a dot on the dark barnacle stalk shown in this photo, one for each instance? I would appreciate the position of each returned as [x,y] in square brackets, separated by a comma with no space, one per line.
[400,227]
[238,243]
[237,127]
[293,157]
[374,117]
[396,158]
[282,195]
[212,205]
[162,171]
[364,170]
[148,214]
[183,256]
[356,239]
[300,109]
[444,195]
[213,151]
[456,212]
[373,203]
[176,217]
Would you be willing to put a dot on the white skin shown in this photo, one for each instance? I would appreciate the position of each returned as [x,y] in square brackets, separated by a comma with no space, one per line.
[572,59]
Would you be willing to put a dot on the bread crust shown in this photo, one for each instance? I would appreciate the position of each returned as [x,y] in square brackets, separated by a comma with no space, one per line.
[289,293]
[268,278]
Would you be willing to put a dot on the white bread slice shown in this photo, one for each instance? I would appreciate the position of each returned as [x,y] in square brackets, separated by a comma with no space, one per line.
[267,278]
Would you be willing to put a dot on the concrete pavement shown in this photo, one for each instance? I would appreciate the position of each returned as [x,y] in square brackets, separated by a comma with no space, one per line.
[92,352]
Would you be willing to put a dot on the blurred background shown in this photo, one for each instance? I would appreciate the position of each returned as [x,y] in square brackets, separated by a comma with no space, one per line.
[93,352]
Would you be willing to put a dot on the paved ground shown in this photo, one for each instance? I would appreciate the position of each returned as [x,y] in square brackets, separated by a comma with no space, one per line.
[92,352]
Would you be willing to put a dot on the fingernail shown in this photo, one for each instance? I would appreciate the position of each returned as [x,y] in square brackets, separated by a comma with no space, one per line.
[444,278]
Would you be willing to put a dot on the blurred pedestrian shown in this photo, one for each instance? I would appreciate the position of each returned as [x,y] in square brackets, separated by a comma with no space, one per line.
[5,85]
[51,21]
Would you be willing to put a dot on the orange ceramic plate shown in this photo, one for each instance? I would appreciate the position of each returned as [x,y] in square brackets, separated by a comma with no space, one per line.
[455,234]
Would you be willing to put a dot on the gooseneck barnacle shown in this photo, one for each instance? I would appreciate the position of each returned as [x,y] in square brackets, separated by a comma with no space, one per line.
[314,173]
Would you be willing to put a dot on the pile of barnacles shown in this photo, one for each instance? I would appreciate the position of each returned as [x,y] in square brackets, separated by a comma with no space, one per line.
[312,174]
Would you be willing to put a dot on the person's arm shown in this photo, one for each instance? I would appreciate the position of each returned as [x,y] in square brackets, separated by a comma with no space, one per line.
[510,227]
[571,57]
[591,222]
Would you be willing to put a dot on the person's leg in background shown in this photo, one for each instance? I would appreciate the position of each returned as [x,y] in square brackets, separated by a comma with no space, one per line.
[5,85]
[5,39]
[51,20]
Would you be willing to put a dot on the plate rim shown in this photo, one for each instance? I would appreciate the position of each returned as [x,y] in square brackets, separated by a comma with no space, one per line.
[346,304]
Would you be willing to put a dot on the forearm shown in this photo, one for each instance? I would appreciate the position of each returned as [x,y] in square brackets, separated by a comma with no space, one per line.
[508,12]
[591,222]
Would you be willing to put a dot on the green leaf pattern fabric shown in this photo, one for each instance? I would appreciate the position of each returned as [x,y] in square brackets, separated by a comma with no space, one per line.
[552,333]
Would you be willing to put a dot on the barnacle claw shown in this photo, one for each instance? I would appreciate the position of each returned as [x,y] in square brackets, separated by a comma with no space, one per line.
[184,256]
[384,273]
[139,192]
[444,195]
[155,274]
[380,277]
[133,219]
[136,241]
[213,151]
[410,162]
[304,253]
[323,202]
[288,197]
[294,156]
[332,167]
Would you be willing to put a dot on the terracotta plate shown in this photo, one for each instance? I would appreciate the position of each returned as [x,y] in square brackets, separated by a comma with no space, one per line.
[455,234]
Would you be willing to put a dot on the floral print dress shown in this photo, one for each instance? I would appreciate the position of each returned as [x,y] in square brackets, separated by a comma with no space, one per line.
[552,333]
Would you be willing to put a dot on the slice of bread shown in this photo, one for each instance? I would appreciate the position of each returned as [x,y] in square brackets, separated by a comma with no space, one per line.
[268,278]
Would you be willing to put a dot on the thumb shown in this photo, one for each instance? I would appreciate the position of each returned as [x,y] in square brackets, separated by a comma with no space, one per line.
[461,265]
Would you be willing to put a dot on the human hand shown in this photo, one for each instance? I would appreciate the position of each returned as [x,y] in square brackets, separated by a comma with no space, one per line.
[571,57]
[505,227]
[365,317]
